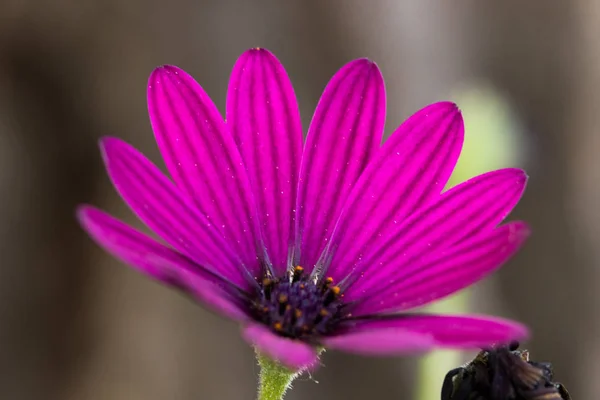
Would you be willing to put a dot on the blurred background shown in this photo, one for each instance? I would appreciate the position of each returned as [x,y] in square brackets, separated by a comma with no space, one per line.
[76,324]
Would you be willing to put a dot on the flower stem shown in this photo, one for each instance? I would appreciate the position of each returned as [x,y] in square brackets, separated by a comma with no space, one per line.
[274,379]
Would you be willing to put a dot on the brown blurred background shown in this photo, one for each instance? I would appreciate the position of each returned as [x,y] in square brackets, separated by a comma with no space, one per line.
[77,325]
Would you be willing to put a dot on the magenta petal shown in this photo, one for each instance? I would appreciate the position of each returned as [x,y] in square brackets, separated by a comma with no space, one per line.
[344,135]
[169,212]
[411,170]
[203,158]
[470,208]
[448,271]
[263,117]
[293,354]
[158,261]
[460,331]
[380,342]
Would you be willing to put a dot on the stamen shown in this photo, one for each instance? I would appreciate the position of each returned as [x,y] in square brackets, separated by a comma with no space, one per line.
[267,285]
[326,283]
[283,298]
[297,274]
[332,294]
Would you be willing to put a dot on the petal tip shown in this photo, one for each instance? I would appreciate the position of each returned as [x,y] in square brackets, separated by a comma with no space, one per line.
[82,213]
[363,67]
[441,109]
[520,175]
[519,231]
[82,209]
[367,64]
[160,72]
[505,330]
[446,105]
[259,53]
[166,69]
[364,61]
[104,143]
[524,176]
[483,331]
[518,331]
[108,144]
[88,216]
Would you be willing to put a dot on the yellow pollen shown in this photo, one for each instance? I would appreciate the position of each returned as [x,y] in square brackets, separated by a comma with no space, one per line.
[302,286]
[277,326]
[288,307]
[283,298]
[266,282]
[324,312]
[298,269]
[297,313]
[335,290]
[329,280]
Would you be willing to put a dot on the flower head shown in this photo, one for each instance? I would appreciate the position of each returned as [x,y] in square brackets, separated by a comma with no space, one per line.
[326,244]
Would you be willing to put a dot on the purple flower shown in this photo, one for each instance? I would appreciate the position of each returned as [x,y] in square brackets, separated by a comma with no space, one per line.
[326,244]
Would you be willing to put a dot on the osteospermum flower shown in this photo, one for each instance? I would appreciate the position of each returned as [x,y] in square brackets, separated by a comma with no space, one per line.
[322,245]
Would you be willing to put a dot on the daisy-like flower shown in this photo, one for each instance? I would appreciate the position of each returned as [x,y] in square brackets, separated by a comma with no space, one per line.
[326,244]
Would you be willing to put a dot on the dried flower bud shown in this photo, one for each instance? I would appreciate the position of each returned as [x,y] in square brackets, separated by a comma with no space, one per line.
[503,373]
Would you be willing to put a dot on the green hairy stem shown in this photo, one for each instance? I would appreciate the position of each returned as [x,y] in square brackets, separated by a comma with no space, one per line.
[274,378]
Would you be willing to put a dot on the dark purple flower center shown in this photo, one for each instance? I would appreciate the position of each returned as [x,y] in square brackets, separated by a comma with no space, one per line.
[298,306]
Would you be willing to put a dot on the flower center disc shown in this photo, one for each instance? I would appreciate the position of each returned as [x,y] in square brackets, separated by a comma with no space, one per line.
[297,306]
